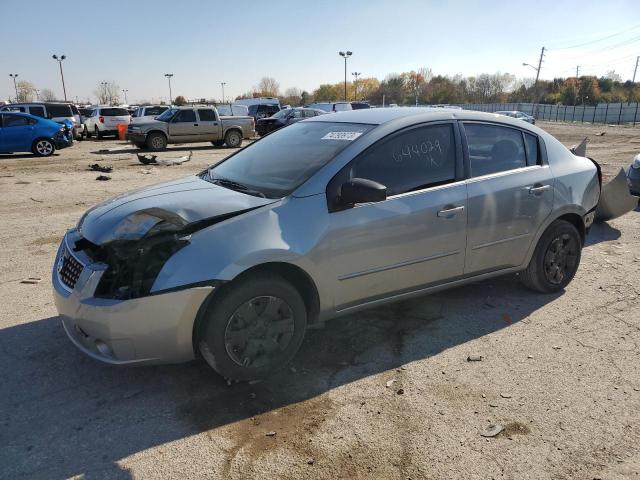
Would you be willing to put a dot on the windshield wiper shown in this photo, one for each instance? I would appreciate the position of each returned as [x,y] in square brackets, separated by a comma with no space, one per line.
[237,186]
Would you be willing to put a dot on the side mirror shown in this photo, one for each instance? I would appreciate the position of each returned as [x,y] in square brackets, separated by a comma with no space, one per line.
[362,190]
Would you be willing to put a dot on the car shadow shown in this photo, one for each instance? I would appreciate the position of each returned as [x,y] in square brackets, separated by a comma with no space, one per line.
[601,232]
[179,148]
[13,156]
[64,414]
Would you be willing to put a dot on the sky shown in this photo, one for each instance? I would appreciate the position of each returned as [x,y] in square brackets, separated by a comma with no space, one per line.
[204,43]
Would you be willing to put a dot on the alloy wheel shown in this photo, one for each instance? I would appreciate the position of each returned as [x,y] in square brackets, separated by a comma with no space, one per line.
[561,257]
[44,147]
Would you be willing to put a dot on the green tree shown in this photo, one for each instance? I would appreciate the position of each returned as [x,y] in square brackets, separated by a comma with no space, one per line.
[180,100]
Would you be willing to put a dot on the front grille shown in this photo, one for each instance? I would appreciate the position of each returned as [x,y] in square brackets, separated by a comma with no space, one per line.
[70,270]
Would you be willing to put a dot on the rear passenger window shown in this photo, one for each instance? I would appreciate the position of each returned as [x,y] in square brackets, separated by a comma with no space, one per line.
[531,146]
[494,149]
[207,115]
[412,160]
[15,121]
[59,110]
[37,111]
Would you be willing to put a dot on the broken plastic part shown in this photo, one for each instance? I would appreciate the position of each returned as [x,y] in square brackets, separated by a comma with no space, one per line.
[615,199]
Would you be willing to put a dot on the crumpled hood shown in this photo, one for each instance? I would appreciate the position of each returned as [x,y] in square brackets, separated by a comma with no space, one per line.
[191,198]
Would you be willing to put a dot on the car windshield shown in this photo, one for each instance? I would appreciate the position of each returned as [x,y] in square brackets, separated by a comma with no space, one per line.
[282,161]
[167,115]
[282,113]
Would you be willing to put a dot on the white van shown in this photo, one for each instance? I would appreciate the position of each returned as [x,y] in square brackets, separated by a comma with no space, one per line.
[233,110]
[58,112]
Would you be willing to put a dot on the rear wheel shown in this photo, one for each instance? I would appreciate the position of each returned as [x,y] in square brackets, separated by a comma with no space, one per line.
[555,260]
[233,139]
[253,328]
[156,141]
[43,147]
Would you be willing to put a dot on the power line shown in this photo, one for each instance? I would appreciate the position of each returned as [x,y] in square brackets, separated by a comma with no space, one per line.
[597,40]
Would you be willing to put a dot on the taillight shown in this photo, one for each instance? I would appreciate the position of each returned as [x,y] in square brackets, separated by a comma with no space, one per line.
[101,119]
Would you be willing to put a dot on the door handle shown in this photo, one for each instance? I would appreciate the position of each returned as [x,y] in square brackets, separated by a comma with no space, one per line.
[450,211]
[538,189]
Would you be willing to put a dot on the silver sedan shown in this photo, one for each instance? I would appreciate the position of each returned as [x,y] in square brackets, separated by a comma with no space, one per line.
[328,216]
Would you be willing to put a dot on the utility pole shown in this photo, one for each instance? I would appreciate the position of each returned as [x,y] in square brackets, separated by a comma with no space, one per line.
[635,70]
[169,75]
[539,65]
[355,84]
[125,96]
[345,55]
[59,60]
[222,84]
[14,76]
[577,71]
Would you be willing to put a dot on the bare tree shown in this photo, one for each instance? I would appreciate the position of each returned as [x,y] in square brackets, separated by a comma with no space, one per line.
[26,91]
[108,93]
[268,87]
[47,95]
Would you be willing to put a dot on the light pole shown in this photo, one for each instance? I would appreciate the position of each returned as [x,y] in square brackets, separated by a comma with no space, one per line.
[14,76]
[169,75]
[104,92]
[222,84]
[59,60]
[355,84]
[345,55]
[125,96]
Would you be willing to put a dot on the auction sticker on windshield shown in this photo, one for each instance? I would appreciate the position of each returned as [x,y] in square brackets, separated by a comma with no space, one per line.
[349,136]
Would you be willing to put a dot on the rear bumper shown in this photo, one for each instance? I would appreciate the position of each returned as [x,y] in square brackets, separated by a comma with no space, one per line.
[150,330]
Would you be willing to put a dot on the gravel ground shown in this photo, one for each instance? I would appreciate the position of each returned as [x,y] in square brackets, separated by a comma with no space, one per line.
[386,393]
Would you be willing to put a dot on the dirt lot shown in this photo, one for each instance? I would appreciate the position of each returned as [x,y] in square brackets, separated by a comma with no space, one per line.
[560,372]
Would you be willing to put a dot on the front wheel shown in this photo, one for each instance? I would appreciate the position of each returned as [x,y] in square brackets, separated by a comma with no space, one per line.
[156,142]
[43,147]
[253,328]
[233,139]
[555,260]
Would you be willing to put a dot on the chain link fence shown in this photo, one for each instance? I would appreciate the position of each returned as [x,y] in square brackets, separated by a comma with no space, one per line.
[609,113]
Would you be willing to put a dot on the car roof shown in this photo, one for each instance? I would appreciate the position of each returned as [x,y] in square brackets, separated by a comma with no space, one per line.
[379,116]
[22,114]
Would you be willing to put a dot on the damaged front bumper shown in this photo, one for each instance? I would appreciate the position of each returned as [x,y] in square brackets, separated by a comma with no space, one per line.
[154,329]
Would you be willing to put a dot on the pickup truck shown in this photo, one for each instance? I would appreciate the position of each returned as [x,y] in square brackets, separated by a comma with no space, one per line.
[188,125]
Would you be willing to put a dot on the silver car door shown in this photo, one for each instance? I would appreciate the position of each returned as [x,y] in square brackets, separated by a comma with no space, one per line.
[417,236]
[208,125]
[510,195]
[183,126]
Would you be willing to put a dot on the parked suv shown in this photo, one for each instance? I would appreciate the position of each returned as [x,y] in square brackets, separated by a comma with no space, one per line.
[332,106]
[191,124]
[58,112]
[105,121]
[148,112]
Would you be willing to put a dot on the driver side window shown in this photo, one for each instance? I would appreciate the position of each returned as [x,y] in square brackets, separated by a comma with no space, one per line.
[411,160]
[184,116]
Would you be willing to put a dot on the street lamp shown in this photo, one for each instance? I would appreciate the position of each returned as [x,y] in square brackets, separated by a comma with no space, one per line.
[14,76]
[125,96]
[59,60]
[169,75]
[355,84]
[105,92]
[222,84]
[345,55]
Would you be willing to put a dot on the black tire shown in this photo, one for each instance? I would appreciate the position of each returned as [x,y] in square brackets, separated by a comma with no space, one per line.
[555,260]
[233,139]
[43,147]
[97,132]
[218,143]
[87,132]
[244,306]
[156,142]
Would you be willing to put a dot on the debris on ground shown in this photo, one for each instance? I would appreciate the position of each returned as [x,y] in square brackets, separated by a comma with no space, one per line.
[505,395]
[601,134]
[146,171]
[311,461]
[252,395]
[96,167]
[31,280]
[146,159]
[103,178]
[400,391]
[36,200]
[474,358]
[556,347]
[391,382]
[492,430]
[270,434]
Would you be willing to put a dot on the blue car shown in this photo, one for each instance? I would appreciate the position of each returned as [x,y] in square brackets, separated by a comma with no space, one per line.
[22,132]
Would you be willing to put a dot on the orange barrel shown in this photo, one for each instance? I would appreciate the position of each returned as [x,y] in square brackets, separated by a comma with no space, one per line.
[122,131]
